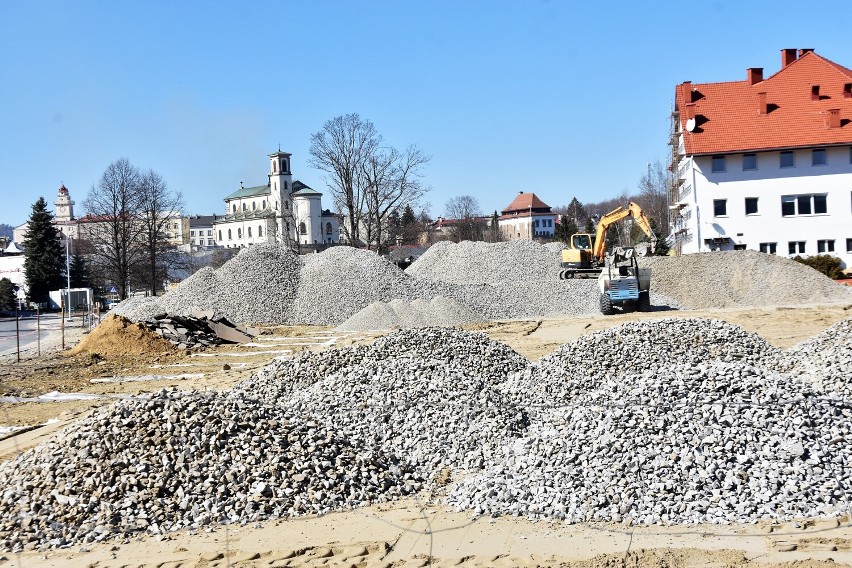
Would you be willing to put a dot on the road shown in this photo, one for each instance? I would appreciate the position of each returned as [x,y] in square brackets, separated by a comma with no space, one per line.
[28,327]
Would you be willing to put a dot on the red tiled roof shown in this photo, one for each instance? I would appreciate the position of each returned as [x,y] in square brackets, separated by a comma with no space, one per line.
[525,201]
[728,117]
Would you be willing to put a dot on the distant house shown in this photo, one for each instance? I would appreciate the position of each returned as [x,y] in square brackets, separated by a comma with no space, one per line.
[765,163]
[527,217]
[201,233]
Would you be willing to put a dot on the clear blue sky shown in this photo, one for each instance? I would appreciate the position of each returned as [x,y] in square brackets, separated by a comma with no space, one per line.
[559,98]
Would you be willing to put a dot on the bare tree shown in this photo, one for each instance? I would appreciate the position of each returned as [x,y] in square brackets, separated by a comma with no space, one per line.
[341,150]
[466,213]
[158,210]
[113,226]
[390,178]
[653,196]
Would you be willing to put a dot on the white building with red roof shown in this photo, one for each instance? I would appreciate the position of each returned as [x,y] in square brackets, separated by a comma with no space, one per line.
[527,217]
[765,163]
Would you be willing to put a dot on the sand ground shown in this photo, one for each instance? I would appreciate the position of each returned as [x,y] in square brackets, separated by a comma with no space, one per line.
[407,533]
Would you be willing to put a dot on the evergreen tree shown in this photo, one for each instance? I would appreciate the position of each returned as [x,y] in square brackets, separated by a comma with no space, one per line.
[7,295]
[79,270]
[408,217]
[662,247]
[590,226]
[44,262]
[565,229]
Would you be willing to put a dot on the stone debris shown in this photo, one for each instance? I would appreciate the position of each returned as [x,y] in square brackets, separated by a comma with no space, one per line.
[186,460]
[825,359]
[740,279]
[187,332]
[660,421]
[402,314]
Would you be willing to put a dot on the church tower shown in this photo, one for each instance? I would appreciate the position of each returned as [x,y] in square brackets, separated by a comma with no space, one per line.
[64,206]
[280,187]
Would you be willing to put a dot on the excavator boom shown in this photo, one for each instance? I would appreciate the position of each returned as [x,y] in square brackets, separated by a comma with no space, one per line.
[614,216]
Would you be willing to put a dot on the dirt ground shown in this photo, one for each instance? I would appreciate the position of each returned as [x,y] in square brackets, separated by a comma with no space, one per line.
[408,533]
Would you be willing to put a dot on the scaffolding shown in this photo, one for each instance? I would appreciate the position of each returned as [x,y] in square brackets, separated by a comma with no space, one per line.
[676,180]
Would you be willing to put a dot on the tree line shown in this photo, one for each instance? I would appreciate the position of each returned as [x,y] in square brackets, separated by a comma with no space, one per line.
[122,239]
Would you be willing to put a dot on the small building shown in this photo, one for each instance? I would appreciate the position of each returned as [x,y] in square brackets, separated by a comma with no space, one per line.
[201,234]
[527,217]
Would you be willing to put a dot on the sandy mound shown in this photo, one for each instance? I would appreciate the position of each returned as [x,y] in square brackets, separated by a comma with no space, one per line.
[118,337]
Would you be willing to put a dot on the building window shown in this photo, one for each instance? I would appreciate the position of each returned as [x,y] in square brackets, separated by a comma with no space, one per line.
[302,229]
[263,205]
[192,233]
[275,185]
[768,248]
[807,204]
[287,205]
[787,160]
[253,205]
[825,245]
[249,232]
[794,247]
[720,207]
[229,235]
[210,242]
[234,208]
[849,245]
[244,206]
[751,205]
[274,167]
[536,223]
[749,162]
[718,164]
[328,230]
[285,185]
[209,232]
[220,234]
[818,157]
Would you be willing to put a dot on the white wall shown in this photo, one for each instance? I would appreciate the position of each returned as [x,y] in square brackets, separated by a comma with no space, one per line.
[768,183]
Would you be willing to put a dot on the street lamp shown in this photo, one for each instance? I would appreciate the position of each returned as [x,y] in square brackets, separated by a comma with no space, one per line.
[68,276]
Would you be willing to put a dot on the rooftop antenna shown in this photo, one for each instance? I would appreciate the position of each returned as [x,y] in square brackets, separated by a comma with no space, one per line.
[279,146]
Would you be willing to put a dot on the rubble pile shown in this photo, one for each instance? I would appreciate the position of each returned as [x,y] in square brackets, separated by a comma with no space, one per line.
[741,279]
[186,332]
[186,460]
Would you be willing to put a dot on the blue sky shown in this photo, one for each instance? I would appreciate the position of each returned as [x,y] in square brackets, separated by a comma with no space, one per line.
[559,98]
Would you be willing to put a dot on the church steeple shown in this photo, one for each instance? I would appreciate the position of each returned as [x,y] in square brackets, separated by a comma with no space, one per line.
[280,188]
[63,204]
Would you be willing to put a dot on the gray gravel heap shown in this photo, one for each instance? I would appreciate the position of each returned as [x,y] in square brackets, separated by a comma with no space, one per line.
[402,314]
[741,279]
[825,359]
[488,263]
[181,460]
[716,442]
[652,345]
[138,308]
[426,395]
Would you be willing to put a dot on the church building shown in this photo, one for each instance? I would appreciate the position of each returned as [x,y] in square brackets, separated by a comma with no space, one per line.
[283,210]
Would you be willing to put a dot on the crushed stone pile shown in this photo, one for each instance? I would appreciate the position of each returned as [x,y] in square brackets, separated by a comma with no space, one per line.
[186,460]
[487,263]
[426,395]
[402,314]
[715,443]
[825,359]
[340,281]
[660,421]
[581,365]
[741,279]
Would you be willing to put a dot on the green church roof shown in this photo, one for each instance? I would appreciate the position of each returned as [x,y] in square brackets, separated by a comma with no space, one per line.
[249,192]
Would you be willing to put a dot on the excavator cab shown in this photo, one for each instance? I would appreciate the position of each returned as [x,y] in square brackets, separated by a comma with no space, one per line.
[577,259]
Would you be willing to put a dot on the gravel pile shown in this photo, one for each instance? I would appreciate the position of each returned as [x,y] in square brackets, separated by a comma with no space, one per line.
[581,365]
[340,281]
[402,314]
[741,279]
[427,396]
[825,359]
[488,263]
[181,460]
[138,308]
[711,443]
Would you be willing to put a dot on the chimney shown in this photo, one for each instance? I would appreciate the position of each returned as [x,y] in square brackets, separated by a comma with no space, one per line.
[754,75]
[847,91]
[814,92]
[834,118]
[805,50]
[689,109]
[787,57]
[761,104]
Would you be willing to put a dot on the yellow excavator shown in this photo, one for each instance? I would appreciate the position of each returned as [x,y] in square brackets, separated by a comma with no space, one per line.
[620,280]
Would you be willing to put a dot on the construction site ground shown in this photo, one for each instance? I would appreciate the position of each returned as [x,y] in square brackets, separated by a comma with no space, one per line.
[409,533]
